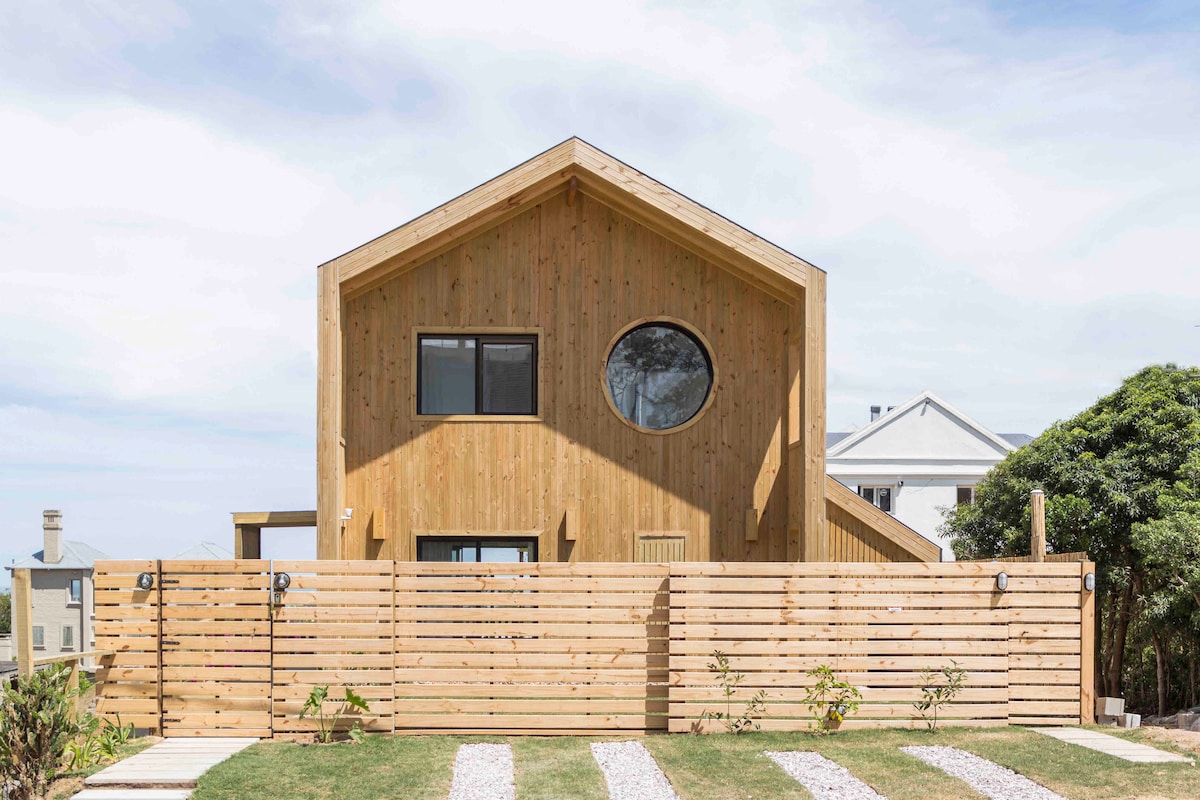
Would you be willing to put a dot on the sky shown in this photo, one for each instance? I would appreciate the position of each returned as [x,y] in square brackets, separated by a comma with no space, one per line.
[1005,197]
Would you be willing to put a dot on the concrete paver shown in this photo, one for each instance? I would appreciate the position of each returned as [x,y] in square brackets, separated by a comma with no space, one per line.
[166,771]
[1119,748]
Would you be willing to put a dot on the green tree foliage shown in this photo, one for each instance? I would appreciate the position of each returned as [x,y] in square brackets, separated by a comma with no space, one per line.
[1120,481]
[38,723]
[5,612]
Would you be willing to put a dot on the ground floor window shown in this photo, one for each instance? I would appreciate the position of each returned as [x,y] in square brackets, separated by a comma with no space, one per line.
[39,636]
[477,550]
[68,638]
[878,496]
[966,495]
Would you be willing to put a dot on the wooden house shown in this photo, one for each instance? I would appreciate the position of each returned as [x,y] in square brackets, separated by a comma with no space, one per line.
[573,362]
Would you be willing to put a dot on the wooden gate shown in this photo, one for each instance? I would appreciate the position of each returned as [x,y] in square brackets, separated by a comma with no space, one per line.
[216,648]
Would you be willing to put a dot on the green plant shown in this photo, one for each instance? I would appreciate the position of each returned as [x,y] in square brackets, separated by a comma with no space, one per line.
[935,694]
[729,681]
[38,723]
[830,700]
[327,722]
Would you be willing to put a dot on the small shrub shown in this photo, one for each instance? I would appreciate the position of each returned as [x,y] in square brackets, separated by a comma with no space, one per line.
[938,688]
[327,723]
[38,723]
[729,681]
[830,700]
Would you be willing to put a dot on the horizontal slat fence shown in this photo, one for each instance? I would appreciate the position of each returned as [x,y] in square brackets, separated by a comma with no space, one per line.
[551,648]
[127,618]
[531,648]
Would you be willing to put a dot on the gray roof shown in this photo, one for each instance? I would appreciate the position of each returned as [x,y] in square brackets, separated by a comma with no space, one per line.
[833,438]
[76,555]
[205,551]
[1016,439]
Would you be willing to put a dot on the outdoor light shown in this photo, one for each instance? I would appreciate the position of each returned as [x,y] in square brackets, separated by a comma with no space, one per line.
[1089,582]
[1002,581]
[145,581]
[282,581]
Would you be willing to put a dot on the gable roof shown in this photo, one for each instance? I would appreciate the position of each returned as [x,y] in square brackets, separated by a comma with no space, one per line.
[844,444]
[574,165]
[205,551]
[76,555]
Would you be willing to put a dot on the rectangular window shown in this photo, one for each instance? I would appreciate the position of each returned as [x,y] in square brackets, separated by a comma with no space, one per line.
[966,495]
[477,551]
[476,374]
[75,590]
[68,638]
[878,496]
[39,636]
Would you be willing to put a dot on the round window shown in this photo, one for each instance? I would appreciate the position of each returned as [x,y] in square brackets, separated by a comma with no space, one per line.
[659,375]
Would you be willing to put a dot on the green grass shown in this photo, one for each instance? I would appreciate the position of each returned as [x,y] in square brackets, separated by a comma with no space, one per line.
[715,767]
[68,783]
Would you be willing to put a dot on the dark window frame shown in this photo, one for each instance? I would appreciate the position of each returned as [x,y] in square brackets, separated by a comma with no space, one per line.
[481,339]
[479,542]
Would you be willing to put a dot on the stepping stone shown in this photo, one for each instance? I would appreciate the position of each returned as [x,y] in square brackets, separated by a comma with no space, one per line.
[483,772]
[170,764]
[631,772]
[133,794]
[986,777]
[824,779]
[1113,746]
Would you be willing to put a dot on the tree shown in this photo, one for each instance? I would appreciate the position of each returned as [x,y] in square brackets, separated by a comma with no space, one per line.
[5,612]
[1112,469]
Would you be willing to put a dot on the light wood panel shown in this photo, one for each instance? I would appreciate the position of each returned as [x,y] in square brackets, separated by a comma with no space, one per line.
[333,626]
[580,273]
[877,626]
[216,630]
[531,648]
[127,625]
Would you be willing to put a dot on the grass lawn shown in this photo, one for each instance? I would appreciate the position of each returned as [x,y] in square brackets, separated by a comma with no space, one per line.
[715,767]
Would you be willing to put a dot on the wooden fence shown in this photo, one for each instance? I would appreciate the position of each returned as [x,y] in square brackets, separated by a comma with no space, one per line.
[214,649]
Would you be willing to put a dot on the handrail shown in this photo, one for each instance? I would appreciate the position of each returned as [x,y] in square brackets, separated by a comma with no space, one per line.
[65,657]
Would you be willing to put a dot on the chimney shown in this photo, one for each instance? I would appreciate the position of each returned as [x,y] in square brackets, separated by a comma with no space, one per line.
[874,413]
[52,533]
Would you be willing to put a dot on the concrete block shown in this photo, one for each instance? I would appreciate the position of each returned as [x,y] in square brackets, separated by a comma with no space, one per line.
[1110,706]
[1108,719]
[1130,721]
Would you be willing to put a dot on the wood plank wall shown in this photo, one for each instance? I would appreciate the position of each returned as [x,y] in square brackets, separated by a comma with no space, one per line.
[555,649]
[585,648]
[579,273]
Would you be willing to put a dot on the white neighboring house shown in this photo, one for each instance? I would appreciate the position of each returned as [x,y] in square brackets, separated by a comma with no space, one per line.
[917,458]
[63,599]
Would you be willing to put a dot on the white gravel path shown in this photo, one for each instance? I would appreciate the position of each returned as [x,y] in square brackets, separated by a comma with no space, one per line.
[631,772]
[987,778]
[824,779]
[483,772]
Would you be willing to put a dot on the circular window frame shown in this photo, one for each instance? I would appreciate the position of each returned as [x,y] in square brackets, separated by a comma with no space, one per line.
[688,329]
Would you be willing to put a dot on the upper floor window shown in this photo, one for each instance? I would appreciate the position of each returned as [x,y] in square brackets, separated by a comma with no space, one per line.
[75,590]
[476,374]
[878,496]
[659,375]
[966,495]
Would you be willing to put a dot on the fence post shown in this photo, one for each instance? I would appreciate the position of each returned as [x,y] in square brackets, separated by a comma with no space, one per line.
[1087,646]
[1037,525]
[22,619]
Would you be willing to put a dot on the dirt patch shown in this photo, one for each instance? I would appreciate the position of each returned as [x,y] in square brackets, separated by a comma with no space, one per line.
[1185,740]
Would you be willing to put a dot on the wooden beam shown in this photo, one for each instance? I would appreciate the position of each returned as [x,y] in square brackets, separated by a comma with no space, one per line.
[571,525]
[751,524]
[276,519]
[376,527]
[572,189]
[1037,525]
[330,465]
[247,541]
[22,619]
[812,419]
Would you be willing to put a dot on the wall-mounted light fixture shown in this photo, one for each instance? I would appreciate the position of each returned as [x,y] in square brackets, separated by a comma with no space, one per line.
[145,581]
[282,581]
[1089,582]
[1002,581]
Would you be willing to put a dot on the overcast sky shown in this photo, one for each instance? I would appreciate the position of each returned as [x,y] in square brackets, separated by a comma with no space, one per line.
[1006,197]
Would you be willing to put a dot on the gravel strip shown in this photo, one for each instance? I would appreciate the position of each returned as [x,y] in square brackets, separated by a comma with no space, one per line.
[824,779]
[483,772]
[631,772]
[989,779]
